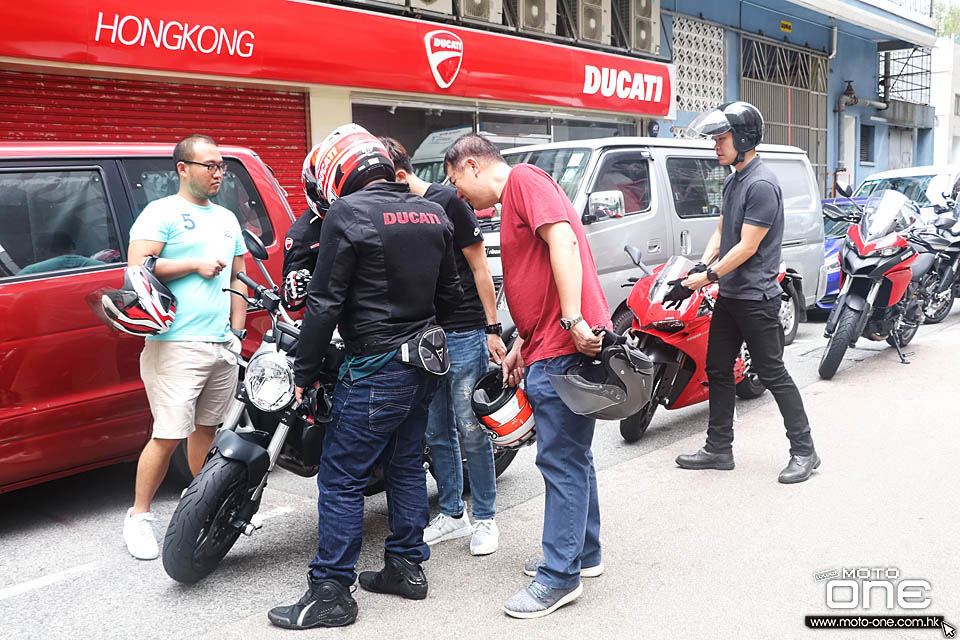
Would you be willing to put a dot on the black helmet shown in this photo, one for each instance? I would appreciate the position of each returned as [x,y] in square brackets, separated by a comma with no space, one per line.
[742,118]
[614,386]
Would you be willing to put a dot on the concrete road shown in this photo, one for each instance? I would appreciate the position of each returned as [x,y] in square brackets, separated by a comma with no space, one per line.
[689,554]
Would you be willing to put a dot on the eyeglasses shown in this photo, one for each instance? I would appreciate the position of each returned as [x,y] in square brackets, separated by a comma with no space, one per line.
[212,167]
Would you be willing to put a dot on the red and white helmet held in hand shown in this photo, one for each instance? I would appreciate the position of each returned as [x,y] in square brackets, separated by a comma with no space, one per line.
[348,159]
[143,307]
[505,413]
[311,191]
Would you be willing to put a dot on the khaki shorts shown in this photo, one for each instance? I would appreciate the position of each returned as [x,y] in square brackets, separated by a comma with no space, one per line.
[187,383]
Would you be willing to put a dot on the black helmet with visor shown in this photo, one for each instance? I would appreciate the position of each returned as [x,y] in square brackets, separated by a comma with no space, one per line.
[742,118]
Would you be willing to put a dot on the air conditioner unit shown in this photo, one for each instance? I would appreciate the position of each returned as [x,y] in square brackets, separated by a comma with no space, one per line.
[436,6]
[645,25]
[594,21]
[483,10]
[538,16]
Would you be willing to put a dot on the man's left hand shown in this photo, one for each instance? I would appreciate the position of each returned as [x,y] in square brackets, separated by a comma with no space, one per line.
[498,350]
[583,338]
[298,391]
[696,281]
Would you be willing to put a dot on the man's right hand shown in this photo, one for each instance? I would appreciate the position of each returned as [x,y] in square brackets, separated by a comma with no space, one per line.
[296,284]
[513,366]
[210,268]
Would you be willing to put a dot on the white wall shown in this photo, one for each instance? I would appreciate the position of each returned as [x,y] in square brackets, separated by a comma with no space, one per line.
[945,86]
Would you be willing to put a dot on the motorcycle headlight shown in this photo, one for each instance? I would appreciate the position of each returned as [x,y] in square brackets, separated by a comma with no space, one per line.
[269,381]
[883,253]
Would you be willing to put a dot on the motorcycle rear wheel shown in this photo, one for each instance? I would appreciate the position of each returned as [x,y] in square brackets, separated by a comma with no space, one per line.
[839,341]
[201,531]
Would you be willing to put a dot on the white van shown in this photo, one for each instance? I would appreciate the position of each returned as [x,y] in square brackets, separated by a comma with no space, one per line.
[671,192]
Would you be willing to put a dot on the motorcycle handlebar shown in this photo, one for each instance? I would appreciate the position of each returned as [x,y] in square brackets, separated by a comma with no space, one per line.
[250,282]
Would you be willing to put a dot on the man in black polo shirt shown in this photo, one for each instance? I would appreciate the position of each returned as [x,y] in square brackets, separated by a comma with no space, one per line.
[747,242]
[471,331]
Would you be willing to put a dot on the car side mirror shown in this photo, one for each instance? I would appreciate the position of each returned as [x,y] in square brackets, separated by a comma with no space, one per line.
[844,190]
[944,222]
[254,245]
[604,204]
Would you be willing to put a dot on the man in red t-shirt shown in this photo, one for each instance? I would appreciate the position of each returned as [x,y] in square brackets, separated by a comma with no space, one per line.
[553,291]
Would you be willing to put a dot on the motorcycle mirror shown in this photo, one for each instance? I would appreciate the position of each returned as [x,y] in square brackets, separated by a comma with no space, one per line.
[833,212]
[636,257]
[254,245]
[844,190]
[944,222]
[937,189]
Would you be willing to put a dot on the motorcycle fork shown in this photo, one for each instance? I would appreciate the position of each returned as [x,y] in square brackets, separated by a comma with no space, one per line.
[273,452]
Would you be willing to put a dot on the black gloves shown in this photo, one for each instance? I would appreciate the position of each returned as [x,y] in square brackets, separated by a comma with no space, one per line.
[677,294]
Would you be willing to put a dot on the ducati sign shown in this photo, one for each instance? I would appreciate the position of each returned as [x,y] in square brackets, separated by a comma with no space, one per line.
[444,53]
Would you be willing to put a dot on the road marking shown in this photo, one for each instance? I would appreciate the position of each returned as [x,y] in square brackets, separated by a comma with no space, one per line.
[45,581]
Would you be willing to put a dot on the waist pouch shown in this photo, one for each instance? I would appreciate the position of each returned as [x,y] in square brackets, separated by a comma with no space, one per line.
[427,350]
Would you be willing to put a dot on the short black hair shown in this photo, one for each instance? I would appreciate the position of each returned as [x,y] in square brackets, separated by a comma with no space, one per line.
[469,145]
[183,152]
[398,154]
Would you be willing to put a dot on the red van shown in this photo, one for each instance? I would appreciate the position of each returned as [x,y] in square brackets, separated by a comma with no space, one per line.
[70,391]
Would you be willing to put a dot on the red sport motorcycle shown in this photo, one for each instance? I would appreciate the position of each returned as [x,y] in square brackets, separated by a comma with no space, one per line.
[880,292]
[676,341]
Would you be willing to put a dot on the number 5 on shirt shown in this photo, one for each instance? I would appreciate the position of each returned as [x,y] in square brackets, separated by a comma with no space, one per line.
[188,222]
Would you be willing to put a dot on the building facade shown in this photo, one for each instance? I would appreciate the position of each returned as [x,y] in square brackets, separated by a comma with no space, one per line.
[277,75]
[946,101]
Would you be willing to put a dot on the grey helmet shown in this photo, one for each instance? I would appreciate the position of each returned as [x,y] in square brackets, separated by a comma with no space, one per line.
[614,386]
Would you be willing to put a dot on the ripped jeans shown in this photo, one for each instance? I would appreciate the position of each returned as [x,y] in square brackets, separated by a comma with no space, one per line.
[451,421]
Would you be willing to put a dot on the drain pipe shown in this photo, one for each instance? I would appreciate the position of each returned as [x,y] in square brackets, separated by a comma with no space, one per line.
[849,98]
[833,51]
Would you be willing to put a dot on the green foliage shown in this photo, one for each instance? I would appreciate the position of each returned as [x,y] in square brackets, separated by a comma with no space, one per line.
[946,15]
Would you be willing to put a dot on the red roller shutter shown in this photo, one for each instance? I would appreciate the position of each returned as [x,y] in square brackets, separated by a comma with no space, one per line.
[47,107]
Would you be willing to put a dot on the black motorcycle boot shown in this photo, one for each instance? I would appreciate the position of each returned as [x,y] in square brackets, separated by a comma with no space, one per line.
[799,468]
[398,576]
[327,603]
[703,459]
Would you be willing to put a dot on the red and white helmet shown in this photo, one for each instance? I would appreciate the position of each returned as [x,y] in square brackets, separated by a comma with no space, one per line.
[505,413]
[348,159]
[311,191]
[143,307]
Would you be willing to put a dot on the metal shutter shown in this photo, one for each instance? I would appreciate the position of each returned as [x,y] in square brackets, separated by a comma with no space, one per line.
[46,107]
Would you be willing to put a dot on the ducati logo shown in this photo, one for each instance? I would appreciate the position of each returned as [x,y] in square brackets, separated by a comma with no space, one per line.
[444,53]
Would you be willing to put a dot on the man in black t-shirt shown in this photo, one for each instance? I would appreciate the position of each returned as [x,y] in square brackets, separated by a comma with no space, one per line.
[471,331]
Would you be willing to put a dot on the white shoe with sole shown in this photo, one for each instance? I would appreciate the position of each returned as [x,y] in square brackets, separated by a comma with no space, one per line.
[443,527]
[139,536]
[486,537]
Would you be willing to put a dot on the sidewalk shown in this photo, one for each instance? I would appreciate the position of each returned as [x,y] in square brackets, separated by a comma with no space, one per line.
[729,554]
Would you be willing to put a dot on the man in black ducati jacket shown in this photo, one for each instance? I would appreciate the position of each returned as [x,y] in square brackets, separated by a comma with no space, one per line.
[386,269]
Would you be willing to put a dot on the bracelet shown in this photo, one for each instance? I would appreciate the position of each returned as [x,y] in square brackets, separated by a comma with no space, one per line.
[493,329]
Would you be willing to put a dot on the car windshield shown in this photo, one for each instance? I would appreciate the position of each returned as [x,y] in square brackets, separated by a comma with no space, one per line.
[914,187]
[835,228]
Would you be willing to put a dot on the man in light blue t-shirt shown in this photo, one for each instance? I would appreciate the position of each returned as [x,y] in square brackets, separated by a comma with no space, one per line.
[189,372]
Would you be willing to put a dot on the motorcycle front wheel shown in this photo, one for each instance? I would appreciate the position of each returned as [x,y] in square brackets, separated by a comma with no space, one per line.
[839,341]
[202,529]
[633,428]
[936,307]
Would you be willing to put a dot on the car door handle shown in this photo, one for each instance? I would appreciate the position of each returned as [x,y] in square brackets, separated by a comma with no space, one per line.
[685,247]
[653,246]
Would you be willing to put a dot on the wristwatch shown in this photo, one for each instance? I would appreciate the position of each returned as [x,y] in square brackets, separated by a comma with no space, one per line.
[493,329]
[712,275]
[568,324]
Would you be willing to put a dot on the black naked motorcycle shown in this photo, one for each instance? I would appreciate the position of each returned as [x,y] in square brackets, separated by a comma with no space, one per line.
[263,428]
[940,238]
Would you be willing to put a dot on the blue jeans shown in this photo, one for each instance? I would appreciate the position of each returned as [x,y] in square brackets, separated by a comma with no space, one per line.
[571,515]
[451,414]
[381,418]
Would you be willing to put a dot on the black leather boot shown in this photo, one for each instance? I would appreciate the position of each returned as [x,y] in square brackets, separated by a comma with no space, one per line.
[703,459]
[799,468]
[398,576]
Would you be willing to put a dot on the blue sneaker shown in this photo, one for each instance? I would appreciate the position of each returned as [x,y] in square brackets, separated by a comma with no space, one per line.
[538,600]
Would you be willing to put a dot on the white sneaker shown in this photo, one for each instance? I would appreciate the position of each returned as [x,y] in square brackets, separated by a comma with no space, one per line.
[138,534]
[443,527]
[486,537]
